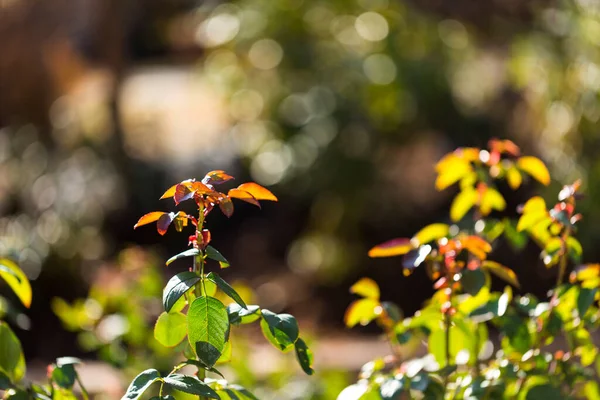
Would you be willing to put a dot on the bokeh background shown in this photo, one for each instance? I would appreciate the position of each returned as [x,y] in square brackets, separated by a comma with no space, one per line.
[340,107]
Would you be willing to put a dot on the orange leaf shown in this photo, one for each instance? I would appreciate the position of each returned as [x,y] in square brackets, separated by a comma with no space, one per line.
[394,247]
[476,246]
[259,192]
[171,191]
[243,195]
[164,221]
[226,206]
[149,218]
[216,177]
[534,167]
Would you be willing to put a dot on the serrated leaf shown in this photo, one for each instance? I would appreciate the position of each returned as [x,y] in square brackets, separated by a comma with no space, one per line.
[430,233]
[183,254]
[502,272]
[11,354]
[149,218]
[282,327]
[170,328]
[191,385]
[226,288]
[534,167]
[259,192]
[305,356]
[462,203]
[140,384]
[208,328]
[16,280]
[394,247]
[177,286]
[214,254]
[366,287]
[361,311]
[240,315]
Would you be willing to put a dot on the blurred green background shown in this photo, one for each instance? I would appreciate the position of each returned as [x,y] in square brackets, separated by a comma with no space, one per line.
[340,107]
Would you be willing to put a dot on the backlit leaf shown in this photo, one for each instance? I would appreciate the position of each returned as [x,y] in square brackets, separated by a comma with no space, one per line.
[259,192]
[170,328]
[191,385]
[226,288]
[283,328]
[361,311]
[367,288]
[11,353]
[216,177]
[208,328]
[226,206]
[574,249]
[476,246]
[214,254]
[240,315]
[64,376]
[514,178]
[171,191]
[491,200]
[430,233]
[243,195]
[164,221]
[394,247]
[140,384]
[183,192]
[501,272]
[462,203]
[450,170]
[177,286]
[16,280]
[305,356]
[149,218]
[187,253]
[534,167]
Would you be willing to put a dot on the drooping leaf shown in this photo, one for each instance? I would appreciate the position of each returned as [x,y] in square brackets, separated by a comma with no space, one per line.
[430,233]
[367,288]
[164,221]
[305,356]
[259,192]
[216,177]
[187,253]
[476,246]
[214,254]
[208,328]
[140,384]
[361,311]
[183,192]
[191,385]
[462,203]
[451,169]
[149,218]
[226,288]
[534,167]
[170,328]
[514,178]
[491,200]
[64,376]
[472,281]
[502,272]
[243,393]
[394,247]
[585,298]
[240,315]
[11,353]
[243,195]
[283,328]
[16,280]
[177,286]
[226,206]
[171,191]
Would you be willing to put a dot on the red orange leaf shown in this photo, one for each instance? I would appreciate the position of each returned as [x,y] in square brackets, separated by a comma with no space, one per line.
[394,247]
[243,195]
[226,206]
[259,192]
[149,218]
[182,193]
[163,222]
[171,191]
[216,177]
[476,246]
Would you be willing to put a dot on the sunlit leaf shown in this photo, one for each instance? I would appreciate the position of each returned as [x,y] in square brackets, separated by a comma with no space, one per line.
[149,218]
[64,376]
[491,200]
[502,272]
[243,195]
[226,206]
[140,384]
[191,385]
[305,356]
[208,328]
[361,311]
[216,177]
[476,246]
[170,328]
[240,315]
[187,253]
[177,286]
[171,191]
[163,222]
[574,249]
[16,280]
[514,178]
[430,233]
[394,247]
[283,328]
[214,254]
[226,288]
[11,353]
[462,203]
[366,287]
[451,169]
[534,167]
[259,192]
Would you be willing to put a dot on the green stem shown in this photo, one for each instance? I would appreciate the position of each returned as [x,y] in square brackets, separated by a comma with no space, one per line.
[84,391]
[199,267]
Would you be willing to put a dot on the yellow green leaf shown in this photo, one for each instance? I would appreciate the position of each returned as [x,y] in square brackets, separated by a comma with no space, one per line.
[514,178]
[16,280]
[394,247]
[362,311]
[366,287]
[451,169]
[501,272]
[492,200]
[462,203]
[534,167]
[430,233]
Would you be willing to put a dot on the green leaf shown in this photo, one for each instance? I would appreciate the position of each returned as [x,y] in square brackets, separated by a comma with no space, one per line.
[501,272]
[574,249]
[226,288]
[472,281]
[16,280]
[305,356]
[64,376]
[585,299]
[191,385]
[177,286]
[214,254]
[282,329]
[239,315]
[243,392]
[208,328]
[11,354]
[167,397]
[170,328]
[67,361]
[141,383]
[4,381]
[187,253]
[367,288]
[200,364]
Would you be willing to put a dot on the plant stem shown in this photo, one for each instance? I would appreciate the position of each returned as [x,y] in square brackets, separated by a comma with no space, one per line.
[199,267]
[84,391]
